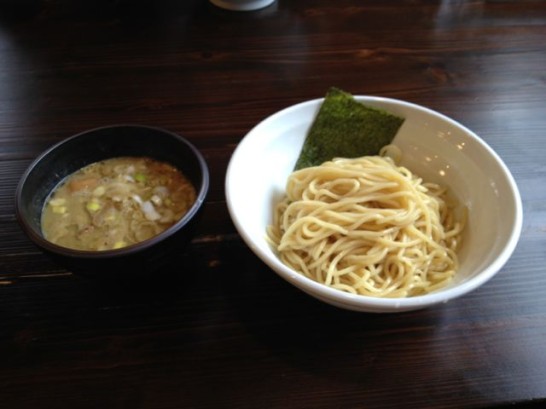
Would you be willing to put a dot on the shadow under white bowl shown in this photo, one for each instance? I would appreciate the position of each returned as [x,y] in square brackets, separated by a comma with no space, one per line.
[434,147]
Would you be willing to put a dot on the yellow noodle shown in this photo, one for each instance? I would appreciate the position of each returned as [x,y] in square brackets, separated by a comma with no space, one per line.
[367,226]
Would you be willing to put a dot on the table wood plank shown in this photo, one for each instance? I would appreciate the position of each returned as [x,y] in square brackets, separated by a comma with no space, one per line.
[220,329]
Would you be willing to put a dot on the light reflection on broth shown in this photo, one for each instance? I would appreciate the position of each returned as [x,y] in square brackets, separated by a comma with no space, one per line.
[115,203]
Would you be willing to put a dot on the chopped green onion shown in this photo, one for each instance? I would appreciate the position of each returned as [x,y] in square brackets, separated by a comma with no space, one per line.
[92,206]
[99,191]
[57,202]
[119,244]
[59,209]
[140,177]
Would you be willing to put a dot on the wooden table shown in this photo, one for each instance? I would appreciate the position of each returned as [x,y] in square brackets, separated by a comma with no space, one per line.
[226,331]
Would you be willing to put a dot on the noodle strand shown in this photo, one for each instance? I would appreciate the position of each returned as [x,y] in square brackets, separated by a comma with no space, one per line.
[367,226]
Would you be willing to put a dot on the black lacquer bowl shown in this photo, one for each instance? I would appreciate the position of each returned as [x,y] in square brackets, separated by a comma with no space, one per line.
[73,153]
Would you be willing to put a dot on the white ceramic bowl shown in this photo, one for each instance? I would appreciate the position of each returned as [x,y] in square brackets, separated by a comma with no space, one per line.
[242,5]
[434,146]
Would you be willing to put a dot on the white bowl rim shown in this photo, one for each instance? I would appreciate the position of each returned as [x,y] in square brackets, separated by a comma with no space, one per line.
[368,303]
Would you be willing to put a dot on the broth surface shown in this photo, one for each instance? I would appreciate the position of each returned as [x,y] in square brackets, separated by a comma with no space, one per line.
[115,203]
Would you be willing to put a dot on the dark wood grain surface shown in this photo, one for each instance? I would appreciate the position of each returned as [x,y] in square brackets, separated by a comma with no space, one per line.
[225,331]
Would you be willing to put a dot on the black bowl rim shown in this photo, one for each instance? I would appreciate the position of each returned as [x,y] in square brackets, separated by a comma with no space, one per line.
[40,241]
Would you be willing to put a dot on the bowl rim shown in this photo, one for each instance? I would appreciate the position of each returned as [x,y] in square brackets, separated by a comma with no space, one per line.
[38,239]
[363,302]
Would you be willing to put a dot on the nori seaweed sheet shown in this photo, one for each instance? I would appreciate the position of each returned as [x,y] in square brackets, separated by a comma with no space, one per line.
[346,128]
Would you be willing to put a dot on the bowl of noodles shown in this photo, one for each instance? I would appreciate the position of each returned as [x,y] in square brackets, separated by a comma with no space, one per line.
[433,216]
[115,201]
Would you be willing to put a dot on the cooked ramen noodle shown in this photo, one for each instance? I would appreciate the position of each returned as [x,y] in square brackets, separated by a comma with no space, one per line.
[115,203]
[367,226]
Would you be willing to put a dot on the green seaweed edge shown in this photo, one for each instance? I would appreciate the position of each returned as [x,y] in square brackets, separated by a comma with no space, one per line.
[344,127]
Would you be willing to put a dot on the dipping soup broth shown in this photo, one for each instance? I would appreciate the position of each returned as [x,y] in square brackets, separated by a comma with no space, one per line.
[116,203]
